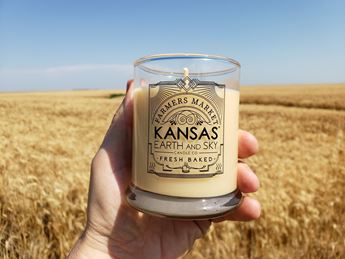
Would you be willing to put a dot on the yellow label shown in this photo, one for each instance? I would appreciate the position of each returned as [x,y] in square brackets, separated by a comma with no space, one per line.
[186,128]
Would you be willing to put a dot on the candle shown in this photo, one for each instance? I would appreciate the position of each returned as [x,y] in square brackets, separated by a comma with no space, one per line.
[184,145]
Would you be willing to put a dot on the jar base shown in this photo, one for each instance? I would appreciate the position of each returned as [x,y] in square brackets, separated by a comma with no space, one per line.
[181,207]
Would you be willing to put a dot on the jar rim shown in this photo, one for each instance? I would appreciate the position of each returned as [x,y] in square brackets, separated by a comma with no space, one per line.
[235,65]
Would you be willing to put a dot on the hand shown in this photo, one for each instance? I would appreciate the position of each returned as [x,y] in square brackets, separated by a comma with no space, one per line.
[115,230]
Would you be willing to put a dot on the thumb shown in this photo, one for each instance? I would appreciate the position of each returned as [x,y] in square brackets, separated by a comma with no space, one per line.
[120,129]
[128,106]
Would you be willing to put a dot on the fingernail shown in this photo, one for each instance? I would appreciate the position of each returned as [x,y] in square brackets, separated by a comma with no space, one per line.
[129,83]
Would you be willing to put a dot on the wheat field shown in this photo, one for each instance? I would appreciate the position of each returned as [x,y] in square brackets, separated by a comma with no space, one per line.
[47,141]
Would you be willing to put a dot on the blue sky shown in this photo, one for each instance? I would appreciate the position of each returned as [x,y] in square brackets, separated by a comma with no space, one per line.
[48,45]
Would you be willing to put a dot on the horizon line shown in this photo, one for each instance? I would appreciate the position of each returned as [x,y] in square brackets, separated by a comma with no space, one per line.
[277,85]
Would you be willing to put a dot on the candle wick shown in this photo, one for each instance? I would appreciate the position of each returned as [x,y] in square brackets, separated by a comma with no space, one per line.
[186,72]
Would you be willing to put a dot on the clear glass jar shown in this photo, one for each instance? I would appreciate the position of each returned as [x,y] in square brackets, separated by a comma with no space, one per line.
[185,136]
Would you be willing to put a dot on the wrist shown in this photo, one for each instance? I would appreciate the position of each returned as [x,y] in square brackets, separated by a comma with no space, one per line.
[88,246]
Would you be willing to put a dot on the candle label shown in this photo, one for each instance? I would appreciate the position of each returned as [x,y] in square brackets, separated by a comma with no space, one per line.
[186,123]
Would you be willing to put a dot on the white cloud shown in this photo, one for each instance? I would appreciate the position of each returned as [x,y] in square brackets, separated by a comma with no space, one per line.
[61,70]
[87,68]
[66,77]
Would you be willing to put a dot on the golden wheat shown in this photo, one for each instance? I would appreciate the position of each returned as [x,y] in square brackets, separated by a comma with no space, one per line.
[47,141]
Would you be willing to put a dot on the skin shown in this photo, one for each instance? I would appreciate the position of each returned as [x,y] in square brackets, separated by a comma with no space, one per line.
[115,230]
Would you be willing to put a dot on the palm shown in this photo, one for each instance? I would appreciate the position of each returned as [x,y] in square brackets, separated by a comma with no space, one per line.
[144,236]
[131,232]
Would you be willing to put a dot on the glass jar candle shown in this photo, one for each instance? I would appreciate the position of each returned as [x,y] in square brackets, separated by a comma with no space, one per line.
[185,136]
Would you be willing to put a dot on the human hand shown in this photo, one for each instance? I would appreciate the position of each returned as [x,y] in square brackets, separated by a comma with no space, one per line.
[115,230]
